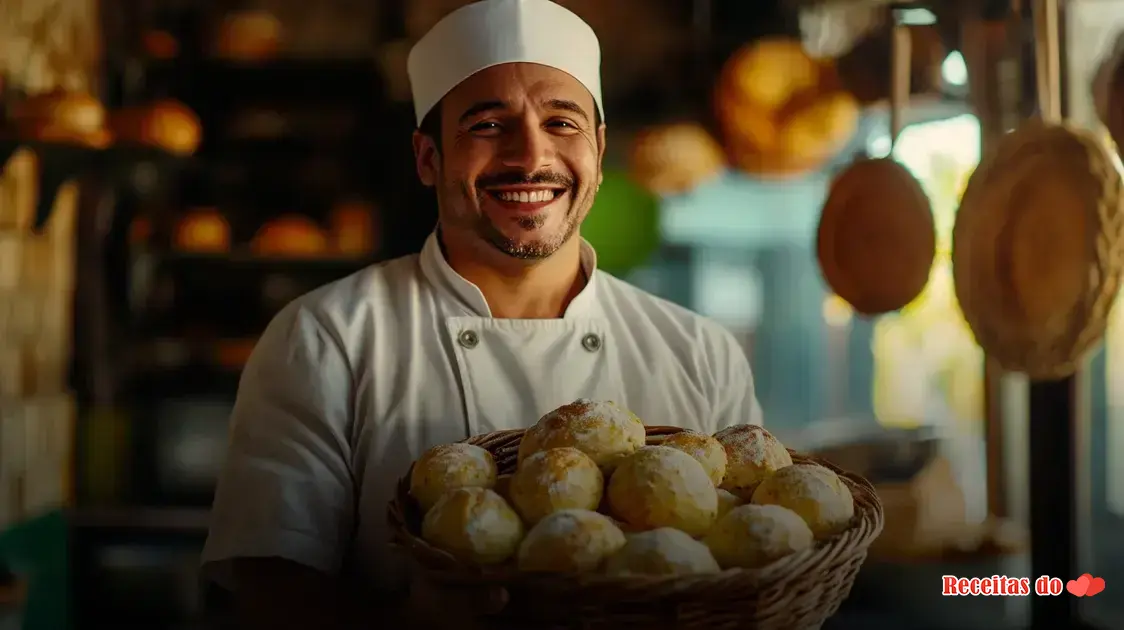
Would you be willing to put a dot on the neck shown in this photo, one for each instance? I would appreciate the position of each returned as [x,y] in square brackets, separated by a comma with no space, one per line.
[519,289]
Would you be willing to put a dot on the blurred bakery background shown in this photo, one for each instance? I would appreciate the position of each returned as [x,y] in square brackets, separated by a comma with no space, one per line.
[174,171]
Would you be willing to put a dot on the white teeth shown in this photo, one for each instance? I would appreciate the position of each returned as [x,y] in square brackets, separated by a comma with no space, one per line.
[534,196]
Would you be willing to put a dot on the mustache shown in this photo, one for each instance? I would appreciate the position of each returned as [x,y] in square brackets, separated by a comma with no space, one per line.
[516,178]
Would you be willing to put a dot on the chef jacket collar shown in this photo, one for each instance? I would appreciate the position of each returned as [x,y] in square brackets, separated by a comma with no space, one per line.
[438,272]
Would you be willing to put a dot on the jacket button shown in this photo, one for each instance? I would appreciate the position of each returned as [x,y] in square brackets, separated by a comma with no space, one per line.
[591,342]
[468,339]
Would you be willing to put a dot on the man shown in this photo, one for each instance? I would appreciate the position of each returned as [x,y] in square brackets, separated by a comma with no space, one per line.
[501,318]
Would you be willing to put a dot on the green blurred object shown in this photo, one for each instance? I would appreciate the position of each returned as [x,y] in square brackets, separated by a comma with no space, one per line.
[624,224]
[37,550]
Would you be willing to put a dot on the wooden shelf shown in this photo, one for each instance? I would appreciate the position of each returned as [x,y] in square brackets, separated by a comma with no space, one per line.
[277,81]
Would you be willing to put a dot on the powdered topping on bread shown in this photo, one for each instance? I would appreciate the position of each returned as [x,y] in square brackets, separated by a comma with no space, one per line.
[601,429]
[453,458]
[680,472]
[570,541]
[556,479]
[558,469]
[660,486]
[475,524]
[809,482]
[776,529]
[755,535]
[752,455]
[705,449]
[583,419]
[691,442]
[570,523]
[663,551]
[816,493]
[750,443]
[487,512]
[448,466]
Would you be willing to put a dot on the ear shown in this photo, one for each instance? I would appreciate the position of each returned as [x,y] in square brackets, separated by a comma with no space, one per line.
[426,158]
[600,152]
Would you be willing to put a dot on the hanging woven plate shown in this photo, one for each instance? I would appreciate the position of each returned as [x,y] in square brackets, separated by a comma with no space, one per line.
[1038,245]
[876,238]
[1037,251]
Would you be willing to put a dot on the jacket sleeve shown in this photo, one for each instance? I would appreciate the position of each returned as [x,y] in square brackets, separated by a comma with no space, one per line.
[286,489]
[734,389]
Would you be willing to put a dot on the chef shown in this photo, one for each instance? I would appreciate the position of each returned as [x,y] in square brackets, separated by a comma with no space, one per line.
[502,317]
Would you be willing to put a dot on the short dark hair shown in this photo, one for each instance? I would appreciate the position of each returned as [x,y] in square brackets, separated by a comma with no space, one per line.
[431,124]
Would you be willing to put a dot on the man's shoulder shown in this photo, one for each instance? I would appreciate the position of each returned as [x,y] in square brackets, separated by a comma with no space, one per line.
[677,324]
[342,303]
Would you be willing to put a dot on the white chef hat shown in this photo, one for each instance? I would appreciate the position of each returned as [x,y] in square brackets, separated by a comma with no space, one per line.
[488,33]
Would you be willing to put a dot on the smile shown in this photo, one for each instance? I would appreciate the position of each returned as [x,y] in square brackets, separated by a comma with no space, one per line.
[525,199]
[524,196]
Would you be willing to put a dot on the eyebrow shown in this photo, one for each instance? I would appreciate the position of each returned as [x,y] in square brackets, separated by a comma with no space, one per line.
[567,106]
[479,108]
[557,104]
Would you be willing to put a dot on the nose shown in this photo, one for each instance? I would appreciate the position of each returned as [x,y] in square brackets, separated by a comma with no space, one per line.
[528,148]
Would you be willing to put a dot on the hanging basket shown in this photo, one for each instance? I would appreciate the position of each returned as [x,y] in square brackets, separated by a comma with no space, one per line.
[1037,248]
[876,238]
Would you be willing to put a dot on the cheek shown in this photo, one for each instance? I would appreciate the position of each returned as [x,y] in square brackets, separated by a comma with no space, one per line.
[582,162]
[455,180]
[459,197]
[471,156]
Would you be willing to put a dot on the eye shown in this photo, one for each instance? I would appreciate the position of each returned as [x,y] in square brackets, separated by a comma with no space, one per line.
[563,126]
[484,126]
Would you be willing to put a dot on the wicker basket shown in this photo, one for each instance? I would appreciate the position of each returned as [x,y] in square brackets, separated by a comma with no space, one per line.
[795,593]
[1047,196]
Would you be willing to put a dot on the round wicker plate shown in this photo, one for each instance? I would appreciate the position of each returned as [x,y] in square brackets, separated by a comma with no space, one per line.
[876,239]
[797,592]
[1037,252]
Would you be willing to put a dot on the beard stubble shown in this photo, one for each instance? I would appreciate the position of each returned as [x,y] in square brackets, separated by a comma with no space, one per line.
[483,226]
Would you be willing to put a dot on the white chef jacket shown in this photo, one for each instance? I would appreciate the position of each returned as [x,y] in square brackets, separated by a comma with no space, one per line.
[352,382]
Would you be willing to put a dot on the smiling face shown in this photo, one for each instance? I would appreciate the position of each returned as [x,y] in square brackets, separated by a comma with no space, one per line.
[519,160]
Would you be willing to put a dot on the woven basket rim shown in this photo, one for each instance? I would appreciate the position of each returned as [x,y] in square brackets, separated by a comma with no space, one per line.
[1042,354]
[864,529]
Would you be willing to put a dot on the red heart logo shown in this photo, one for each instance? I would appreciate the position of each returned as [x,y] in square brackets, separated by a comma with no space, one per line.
[1096,585]
[1078,587]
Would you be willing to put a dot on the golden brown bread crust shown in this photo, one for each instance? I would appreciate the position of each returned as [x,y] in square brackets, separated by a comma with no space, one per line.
[752,454]
[64,117]
[673,159]
[782,113]
[202,230]
[167,124]
[290,236]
